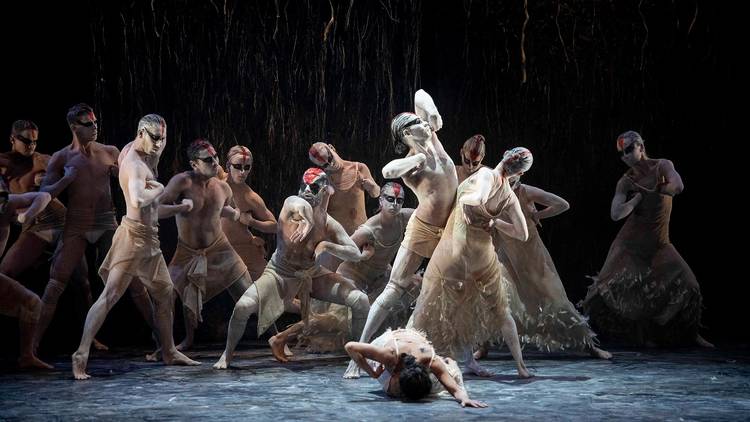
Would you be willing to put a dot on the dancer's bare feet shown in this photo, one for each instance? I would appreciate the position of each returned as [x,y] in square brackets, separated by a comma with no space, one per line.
[700,341]
[32,362]
[79,361]
[223,362]
[288,351]
[185,345]
[481,352]
[98,345]
[599,353]
[477,369]
[277,348]
[177,358]
[523,372]
[352,371]
[154,357]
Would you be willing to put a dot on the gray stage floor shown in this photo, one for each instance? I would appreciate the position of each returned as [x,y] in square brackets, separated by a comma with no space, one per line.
[644,385]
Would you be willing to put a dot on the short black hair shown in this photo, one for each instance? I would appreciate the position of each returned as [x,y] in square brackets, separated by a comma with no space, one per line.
[21,125]
[196,147]
[77,111]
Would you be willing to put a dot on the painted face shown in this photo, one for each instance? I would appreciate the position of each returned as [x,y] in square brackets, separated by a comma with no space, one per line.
[391,198]
[631,150]
[154,140]
[314,186]
[322,155]
[86,128]
[239,168]
[206,163]
[471,162]
[25,142]
[516,162]
[418,129]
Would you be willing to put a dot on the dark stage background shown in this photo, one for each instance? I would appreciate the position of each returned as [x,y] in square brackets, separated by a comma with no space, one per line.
[279,75]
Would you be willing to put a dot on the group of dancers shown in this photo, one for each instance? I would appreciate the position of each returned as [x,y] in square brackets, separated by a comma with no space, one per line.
[488,278]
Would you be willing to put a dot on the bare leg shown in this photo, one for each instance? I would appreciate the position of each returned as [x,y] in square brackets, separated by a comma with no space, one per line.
[66,259]
[510,335]
[17,301]
[187,342]
[164,317]
[80,278]
[279,341]
[114,288]
[243,309]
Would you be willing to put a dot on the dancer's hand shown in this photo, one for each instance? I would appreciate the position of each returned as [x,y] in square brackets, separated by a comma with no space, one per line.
[303,228]
[377,372]
[70,172]
[155,185]
[367,251]
[472,403]
[188,203]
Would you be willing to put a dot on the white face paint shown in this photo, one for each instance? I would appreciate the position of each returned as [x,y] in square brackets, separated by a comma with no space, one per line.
[419,130]
[469,164]
[206,164]
[391,201]
[86,128]
[239,168]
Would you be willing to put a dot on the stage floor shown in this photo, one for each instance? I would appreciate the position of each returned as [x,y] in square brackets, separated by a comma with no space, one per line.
[688,384]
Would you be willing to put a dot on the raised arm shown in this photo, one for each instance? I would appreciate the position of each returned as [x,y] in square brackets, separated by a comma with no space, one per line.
[368,184]
[554,204]
[58,176]
[341,245]
[401,166]
[621,206]
[360,352]
[258,216]
[425,108]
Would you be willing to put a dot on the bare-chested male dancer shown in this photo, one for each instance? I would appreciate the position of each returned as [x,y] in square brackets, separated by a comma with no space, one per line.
[135,252]
[204,263]
[430,173]
[305,232]
[254,213]
[24,168]
[15,300]
[82,169]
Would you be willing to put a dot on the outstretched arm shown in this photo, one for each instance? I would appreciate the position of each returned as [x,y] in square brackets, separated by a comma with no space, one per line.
[441,372]
[621,206]
[401,166]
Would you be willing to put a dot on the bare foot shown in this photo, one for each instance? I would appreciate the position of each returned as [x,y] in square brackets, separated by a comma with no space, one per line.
[477,369]
[523,372]
[599,353]
[185,345]
[98,345]
[223,362]
[288,351]
[177,358]
[154,357]
[700,341]
[481,352]
[79,365]
[277,348]
[352,372]
[32,362]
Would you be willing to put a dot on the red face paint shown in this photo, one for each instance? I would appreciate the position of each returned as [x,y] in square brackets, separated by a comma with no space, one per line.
[396,190]
[620,144]
[312,174]
[317,156]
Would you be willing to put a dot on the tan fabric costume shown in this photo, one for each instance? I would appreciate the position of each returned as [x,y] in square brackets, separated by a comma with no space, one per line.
[644,276]
[135,248]
[201,274]
[420,237]
[463,295]
[543,314]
